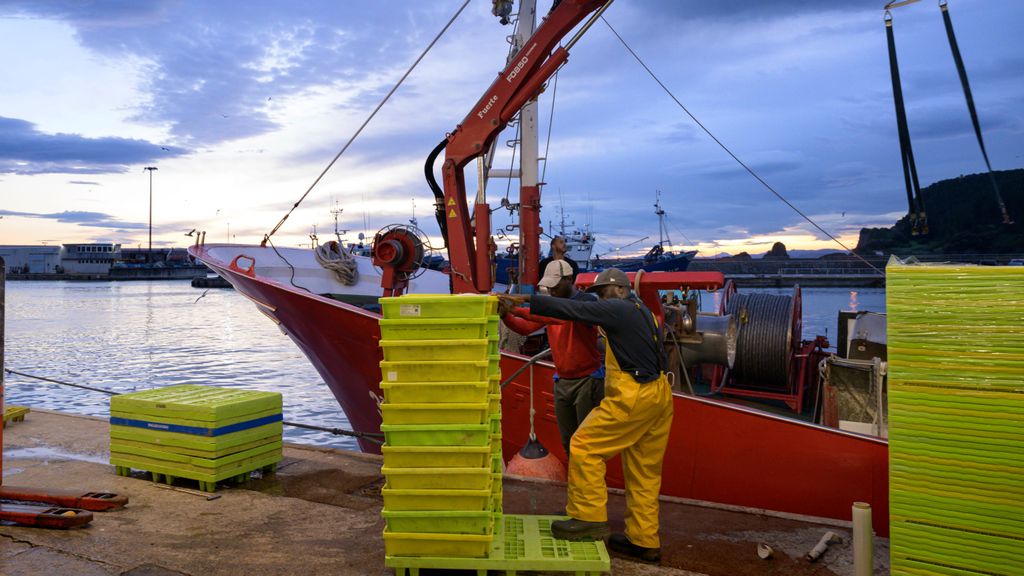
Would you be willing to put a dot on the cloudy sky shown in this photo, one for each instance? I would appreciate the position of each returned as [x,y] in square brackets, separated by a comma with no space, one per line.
[240,105]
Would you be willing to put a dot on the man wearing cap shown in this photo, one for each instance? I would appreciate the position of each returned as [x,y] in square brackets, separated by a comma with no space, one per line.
[558,250]
[579,378]
[633,419]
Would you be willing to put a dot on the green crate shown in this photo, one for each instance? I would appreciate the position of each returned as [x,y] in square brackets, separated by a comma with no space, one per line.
[494,383]
[436,456]
[494,365]
[497,464]
[434,371]
[191,402]
[439,306]
[125,462]
[185,462]
[495,443]
[195,445]
[402,414]
[440,521]
[435,392]
[493,327]
[206,424]
[415,499]
[433,545]
[434,329]
[438,478]
[436,434]
[434,350]
[495,423]
[494,403]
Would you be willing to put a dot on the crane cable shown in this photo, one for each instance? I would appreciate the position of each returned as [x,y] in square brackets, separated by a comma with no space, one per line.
[730,153]
[365,122]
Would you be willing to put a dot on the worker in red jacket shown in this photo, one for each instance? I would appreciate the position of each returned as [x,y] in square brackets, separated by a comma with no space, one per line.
[579,377]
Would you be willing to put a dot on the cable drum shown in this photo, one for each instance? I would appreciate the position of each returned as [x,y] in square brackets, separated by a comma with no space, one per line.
[765,339]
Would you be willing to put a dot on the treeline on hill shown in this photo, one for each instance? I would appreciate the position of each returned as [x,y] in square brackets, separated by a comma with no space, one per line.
[963,217]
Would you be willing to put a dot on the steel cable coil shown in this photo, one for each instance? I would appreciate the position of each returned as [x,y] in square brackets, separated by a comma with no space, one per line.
[765,339]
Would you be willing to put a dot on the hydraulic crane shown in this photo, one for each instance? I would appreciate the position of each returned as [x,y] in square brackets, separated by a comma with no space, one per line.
[470,250]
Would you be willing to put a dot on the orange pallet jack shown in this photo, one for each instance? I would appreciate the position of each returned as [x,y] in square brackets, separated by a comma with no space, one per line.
[44,508]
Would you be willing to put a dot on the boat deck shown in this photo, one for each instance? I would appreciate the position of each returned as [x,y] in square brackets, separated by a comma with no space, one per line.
[320,514]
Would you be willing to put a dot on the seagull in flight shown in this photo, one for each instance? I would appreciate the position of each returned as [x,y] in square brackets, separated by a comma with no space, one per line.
[190,232]
[165,148]
[201,295]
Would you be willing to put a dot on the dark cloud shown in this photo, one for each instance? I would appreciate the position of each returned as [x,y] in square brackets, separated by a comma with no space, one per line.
[25,150]
[84,182]
[82,218]
[218,67]
[689,9]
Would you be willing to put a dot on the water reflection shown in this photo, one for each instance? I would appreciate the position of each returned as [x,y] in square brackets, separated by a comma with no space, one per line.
[136,335]
[852,306]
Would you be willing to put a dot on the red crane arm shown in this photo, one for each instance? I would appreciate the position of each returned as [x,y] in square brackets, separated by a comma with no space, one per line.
[520,81]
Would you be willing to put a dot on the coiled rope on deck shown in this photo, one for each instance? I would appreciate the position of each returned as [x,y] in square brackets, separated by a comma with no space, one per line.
[373,437]
[334,257]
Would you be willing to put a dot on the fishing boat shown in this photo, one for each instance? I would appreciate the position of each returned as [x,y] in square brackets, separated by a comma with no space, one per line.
[718,451]
[660,257]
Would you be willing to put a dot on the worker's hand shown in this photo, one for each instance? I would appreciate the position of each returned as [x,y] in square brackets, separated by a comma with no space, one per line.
[506,302]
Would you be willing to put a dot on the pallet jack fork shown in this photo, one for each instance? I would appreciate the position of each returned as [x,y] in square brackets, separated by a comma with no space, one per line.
[44,508]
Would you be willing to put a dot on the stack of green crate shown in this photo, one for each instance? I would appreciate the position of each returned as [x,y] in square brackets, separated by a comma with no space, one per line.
[956,419]
[441,423]
[202,433]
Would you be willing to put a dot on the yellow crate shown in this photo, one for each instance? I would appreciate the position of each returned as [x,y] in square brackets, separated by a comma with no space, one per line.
[496,443]
[435,328]
[416,499]
[434,413]
[439,306]
[436,456]
[438,350]
[494,382]
[494,365]
[440,521]
[435,392]
[436,434]
[432,371]
[494,403]
[444,545]
[438,478]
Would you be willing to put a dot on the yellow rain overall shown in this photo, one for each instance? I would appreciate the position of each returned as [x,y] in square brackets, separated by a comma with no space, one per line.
[633,420]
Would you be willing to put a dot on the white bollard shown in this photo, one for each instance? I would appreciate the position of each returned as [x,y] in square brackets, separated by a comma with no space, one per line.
[863,540]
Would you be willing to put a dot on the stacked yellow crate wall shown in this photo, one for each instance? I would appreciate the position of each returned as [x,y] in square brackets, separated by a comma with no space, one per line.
[440,412]
[956,417]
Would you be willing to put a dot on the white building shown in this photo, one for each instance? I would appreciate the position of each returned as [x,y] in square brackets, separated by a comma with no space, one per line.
[31,259]
[89,258]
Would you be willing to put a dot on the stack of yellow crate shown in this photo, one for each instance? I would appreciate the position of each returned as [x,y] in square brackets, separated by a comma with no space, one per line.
[956,419]
[441,424]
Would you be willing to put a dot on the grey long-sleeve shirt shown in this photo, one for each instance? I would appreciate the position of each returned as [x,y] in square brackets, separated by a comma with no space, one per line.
[628,324]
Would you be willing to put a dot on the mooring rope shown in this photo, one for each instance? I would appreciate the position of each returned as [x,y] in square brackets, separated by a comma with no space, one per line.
[373,437]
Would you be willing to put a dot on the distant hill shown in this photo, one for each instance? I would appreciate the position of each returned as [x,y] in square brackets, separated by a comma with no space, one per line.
[963,217]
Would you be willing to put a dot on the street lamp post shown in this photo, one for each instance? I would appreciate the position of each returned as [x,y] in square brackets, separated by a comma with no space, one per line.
[149,254]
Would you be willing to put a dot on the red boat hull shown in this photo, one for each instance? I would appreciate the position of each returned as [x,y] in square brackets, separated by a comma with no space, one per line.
[717,452]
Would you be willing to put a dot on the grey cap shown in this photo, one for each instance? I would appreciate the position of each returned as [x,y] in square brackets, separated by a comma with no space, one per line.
[610,277]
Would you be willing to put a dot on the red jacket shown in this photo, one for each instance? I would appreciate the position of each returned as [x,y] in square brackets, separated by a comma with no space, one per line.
[573,344]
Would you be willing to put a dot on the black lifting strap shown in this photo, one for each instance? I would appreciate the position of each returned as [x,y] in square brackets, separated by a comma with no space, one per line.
[915,203]
[955,48]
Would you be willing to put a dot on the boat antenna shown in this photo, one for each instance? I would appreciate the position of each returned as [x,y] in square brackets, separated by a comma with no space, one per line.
[662,226]
[365,122]
[731,154]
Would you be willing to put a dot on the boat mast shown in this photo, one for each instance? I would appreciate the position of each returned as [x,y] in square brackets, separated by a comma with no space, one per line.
[663,237]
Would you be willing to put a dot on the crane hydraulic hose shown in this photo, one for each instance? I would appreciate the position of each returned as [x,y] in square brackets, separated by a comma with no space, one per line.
[428,171]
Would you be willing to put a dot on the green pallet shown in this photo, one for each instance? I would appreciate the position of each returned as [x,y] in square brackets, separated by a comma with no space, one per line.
[192,464]
[195,445]
[190,402]
[521,543]
[207,481]
[176,421]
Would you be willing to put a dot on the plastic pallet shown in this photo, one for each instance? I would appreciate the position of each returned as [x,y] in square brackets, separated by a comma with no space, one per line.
[207,482]
[170,479]
[195,402]
[521,543]
[15,414]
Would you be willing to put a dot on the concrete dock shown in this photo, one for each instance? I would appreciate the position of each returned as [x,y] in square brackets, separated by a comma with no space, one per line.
[320,514]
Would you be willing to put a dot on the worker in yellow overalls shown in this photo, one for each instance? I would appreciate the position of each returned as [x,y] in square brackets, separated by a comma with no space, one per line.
[633,420]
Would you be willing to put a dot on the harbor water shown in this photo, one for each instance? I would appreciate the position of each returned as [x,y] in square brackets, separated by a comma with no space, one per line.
[128,336]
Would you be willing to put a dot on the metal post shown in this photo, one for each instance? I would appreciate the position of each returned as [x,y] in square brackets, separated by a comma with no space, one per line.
[149,255]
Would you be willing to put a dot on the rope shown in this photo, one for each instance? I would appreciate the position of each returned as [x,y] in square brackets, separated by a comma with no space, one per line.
[332,256]
[551,122]
[730,153]
[367,121]
[368,436]
[764,343]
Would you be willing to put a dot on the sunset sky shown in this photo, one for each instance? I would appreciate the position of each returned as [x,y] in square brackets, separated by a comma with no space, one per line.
[241,104]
